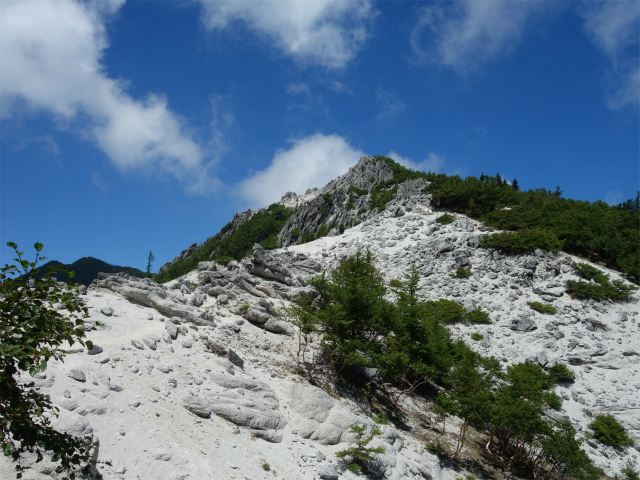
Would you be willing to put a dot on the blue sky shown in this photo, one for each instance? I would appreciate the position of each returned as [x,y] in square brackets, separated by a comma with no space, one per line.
[130,126]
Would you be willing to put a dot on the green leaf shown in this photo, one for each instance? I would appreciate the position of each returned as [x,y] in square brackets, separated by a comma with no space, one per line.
[12,245]
[89,345]
[38,246]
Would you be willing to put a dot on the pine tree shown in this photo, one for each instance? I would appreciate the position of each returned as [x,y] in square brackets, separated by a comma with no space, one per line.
[150,260]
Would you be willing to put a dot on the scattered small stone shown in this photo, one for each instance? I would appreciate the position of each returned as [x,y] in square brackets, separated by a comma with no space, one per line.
[235,359]
[150,342]
[108,311]
[77,375]
[95,350]
[137,344]
[328,472]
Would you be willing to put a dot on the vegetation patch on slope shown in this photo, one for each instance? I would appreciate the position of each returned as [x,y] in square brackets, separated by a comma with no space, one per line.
[595,230]
[598,285]
[407,343]
[263,228]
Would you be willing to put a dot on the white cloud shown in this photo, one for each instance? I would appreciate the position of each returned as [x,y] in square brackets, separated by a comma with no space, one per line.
[339,87]
[433,162]
[298,89]
[310,162]
[391,105]
[51,52]
[614,27]
[324,32]
[464,35]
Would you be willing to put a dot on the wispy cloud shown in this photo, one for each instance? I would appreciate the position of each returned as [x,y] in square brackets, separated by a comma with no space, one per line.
[391,105]
[433,162]
[51,52]
[96,180]
[310,162]
[339,87]
[466,34]
[298,89]
[325,32]
[614,27]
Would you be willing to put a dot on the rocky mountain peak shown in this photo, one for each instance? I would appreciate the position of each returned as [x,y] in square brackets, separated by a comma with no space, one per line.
[206,360]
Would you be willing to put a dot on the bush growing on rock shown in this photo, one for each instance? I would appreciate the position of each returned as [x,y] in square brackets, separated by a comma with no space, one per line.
[522,241]
[609,431]
[33,328]
[629,472]
[462,272]
[445,219]
[543,308]
[234,241]
[595,230]
[560,371]
[598,285]
[358,326]
[358,454]
[476,316]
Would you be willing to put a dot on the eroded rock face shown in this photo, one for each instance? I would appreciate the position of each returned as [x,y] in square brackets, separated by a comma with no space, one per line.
[152,295]
[320,417]
[250,404]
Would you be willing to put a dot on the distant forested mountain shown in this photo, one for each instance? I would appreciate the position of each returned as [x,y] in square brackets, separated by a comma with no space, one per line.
[87,268]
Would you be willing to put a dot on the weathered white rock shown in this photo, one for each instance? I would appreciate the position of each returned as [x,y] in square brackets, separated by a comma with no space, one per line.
[197,405]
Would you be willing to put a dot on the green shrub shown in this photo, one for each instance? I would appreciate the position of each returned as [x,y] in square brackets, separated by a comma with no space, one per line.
[38,317]
[395,283]
[307,237]
[446,311]
[445,219]
[350,204]
[609,431]
[589,272]
[553,400]
[224,260]
[610,234]
[561,372]
[462,272]
[234,241]
[616,290]
[477,336]
[522,241]
[629,472]
[357,191]
[328,197]
[323,231]
[244,307]
[476,316]
[381,419]
[357,454]
[543,308]
[602,289]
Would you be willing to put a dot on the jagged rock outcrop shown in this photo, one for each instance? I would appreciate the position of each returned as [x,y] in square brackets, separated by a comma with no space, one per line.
[151,294]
